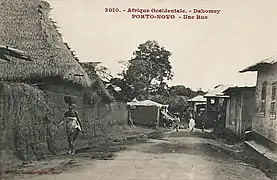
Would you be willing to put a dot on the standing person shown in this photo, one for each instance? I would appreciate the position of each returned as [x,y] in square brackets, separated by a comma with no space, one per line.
[73,126]
[203,125]
[191,124]
[177,123]
[129,119]
[202,121]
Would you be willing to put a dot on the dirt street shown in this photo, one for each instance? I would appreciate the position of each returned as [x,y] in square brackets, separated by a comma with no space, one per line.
[184,158]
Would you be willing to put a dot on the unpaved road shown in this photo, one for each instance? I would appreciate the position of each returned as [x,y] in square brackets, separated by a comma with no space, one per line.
[174,158]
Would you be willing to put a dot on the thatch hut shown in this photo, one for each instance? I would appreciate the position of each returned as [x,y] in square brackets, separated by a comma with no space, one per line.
[146,113]
[32,52]
[50,65]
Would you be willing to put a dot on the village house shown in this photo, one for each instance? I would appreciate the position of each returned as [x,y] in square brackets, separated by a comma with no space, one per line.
[264,122]
[196,108]
[50,65]
[240,107]
[146,113]
[216,106]
[197,103]
[39,77]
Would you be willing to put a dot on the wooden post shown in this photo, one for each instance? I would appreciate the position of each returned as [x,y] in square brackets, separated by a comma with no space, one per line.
[242,126]
[158,117]
[228,114]
[1,169]
[1,153]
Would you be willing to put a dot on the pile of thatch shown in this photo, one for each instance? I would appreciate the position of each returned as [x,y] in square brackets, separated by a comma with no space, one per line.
[23,125]
[25,25]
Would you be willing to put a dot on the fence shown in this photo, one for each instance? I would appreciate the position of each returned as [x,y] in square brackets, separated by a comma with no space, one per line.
[28,129]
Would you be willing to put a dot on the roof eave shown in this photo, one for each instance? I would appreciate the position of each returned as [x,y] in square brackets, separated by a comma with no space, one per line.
[256,67]
[238,89]
[248,70]
[219,96]
[196,101]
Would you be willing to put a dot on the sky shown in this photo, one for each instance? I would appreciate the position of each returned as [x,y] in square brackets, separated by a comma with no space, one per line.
[205,53]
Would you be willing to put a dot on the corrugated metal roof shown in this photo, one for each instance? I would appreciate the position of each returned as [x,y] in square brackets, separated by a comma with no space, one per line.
[254,67]
[218,91]
[198,98]
[238,88]
[145,103]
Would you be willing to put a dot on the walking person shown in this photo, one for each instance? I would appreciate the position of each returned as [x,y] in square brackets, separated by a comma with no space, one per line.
[191,124]
[73,126]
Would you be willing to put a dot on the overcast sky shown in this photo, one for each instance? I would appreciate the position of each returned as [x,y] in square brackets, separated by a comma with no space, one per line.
[205,53]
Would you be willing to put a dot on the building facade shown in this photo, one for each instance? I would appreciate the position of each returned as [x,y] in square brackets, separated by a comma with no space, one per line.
[264,124]
[215,113]
[240,107]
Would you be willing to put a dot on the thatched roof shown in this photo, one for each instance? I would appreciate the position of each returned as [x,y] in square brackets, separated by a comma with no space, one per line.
[26,26]
[146,103]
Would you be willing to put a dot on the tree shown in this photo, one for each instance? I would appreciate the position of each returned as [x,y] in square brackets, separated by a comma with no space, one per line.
[98,74]
[126,92]
[149,69]
[96,69]
[181,90]
[200,92]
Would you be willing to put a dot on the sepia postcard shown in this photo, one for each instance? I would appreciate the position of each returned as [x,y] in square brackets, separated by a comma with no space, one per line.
[138,90]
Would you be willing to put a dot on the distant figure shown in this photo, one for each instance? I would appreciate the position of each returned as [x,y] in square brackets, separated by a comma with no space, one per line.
[129,119]
[203,125]
[177,123]
[191,124]
[217,122]
[73,126]
[202,121]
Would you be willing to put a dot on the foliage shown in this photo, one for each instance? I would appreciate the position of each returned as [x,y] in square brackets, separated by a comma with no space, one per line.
[181,90]
[176,97]
[149,69]
[96,69]
[97,92]
[126,92]
[145,76]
